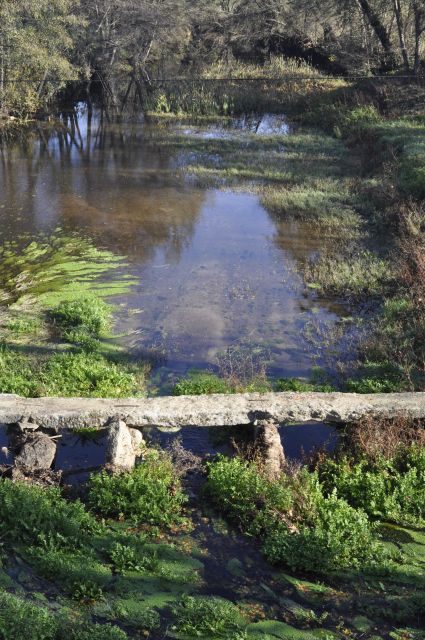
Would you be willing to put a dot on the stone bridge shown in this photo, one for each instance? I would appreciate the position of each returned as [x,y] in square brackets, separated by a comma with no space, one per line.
[32,425]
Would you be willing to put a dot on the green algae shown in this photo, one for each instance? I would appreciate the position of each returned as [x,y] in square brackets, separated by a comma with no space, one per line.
[61,267]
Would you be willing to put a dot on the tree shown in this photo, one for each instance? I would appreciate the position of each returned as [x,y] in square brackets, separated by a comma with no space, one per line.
[36,43]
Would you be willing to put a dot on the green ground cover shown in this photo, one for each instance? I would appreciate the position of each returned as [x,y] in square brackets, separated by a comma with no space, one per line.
[56,326]
[136,560]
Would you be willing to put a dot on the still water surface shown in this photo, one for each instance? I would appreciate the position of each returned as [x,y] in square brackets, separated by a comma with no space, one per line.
[215,269]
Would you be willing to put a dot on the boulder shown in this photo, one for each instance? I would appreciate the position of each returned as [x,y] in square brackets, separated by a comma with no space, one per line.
[37,453]
[120,451]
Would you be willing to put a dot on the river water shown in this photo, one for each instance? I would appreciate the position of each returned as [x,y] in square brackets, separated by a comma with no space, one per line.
[214,268]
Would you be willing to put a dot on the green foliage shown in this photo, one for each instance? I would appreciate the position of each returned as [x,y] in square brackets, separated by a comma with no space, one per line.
[341,537]
[89,375]
[34,515]
[199,383]
[82,321]
[386,489]
[73,630]
[199,615]
[377,377]
[297,525]
[150,494]
[17,373]
[78,572]
[128,558]
[203,383]
[300,386]
[243,494]
[70,374]
[18,616]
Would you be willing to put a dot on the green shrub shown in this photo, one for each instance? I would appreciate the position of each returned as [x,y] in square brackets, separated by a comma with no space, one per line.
[88,631]
[300,386]
[341,538]
[89,375]
[90,313]
[150,494]
[357,123]
[198,383]
[295,522]
[386,489]
[243,494]
[19,618]
[199,615]
[41,516]
[82,321]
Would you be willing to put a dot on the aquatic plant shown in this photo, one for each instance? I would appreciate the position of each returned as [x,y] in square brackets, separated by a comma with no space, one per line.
[196,616]
[389,489]
[50,270]
[296,523]
[150,494]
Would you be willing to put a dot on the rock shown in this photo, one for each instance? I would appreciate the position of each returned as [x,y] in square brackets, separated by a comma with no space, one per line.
[269,443]
[137,441]
[26,425]
[120,452]
[37,453]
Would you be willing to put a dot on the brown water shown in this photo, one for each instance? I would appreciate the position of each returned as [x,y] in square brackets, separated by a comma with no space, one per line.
[215,270]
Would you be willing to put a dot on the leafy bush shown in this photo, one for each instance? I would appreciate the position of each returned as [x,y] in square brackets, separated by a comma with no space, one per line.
[82,321]
[18,617]
[89,375]
[71,630]
[295,522]
[243,494]
[150,494]
[41,516]
[387,489]
[199,615]
[300,386]
[340,538]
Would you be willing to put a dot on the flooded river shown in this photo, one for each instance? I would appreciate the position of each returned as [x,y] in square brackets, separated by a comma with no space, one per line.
[214,268]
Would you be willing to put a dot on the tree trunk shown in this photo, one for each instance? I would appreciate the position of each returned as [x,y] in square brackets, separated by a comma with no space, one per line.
[379,30]
[400,29]
[419,14]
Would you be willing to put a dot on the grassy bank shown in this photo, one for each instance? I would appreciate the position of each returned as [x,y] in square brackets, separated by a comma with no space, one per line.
[331,550]
[56,327]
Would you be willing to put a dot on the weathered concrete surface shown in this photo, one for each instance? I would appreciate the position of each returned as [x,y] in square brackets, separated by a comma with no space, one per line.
[270,447]
[216,410]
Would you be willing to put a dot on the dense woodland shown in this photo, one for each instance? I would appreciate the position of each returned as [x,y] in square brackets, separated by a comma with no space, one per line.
[123,46]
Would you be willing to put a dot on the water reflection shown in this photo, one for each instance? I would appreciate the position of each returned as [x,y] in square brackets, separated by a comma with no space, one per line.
[214,268]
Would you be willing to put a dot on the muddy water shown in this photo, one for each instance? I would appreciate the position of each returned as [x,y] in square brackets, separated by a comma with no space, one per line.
[214,269]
